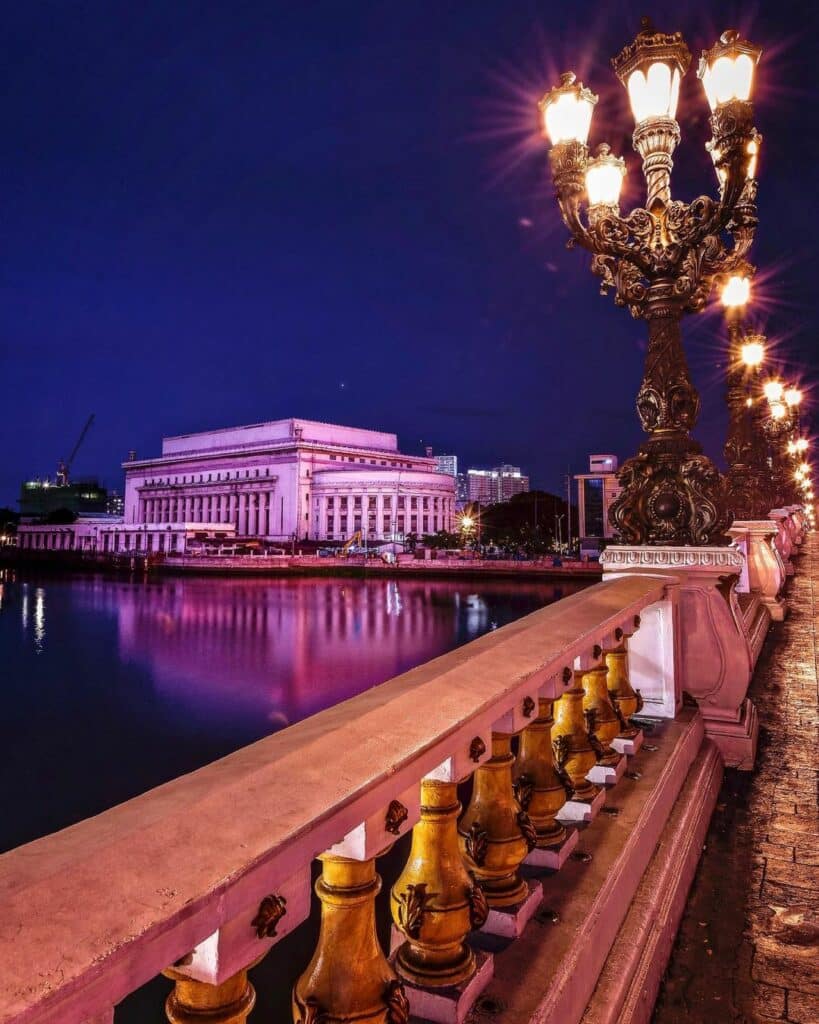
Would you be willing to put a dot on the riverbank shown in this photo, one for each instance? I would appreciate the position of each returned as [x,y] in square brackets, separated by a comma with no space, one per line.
[308,565]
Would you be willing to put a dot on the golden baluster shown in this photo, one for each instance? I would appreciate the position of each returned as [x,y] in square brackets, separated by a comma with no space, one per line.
[602,721]
[495,834]
[197,1002]
[536,784]
[574,754]
[626,700]
[349,978]
[434,902]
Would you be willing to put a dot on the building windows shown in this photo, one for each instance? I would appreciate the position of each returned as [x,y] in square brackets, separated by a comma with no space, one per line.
[594,507]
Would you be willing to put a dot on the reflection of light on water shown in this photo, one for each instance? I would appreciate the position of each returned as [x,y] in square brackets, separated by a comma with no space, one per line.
[24,607]
[476,613]
[394,605]
[39,619]
[1,597]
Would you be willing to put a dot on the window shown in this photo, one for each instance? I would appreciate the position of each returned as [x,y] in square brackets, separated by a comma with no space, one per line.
[595,512]
[332,458]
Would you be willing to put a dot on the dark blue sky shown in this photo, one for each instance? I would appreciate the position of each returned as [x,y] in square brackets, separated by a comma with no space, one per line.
[215,214]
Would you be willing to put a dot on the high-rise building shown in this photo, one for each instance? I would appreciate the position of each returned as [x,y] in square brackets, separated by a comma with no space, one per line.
[596,490]
[446,464]
[461,491]
[489,486]
[510,481]
[480,486]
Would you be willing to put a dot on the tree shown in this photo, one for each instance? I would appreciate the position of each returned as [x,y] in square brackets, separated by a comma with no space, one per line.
[526,523]
[442,539]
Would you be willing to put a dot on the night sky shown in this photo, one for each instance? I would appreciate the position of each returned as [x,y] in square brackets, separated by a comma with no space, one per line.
[220,213]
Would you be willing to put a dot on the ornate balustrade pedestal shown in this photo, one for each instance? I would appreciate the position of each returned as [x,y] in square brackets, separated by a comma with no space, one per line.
[714,655]
[765,569]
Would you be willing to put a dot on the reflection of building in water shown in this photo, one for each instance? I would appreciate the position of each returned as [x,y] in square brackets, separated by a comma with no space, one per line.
[291,478]
[279,650]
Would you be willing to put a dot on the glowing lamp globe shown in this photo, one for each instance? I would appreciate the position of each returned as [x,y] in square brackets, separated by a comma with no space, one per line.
[802,444]
[651,69]
[778,411]
[604,177]
[753,353]
[773,390]
[727,69]
[736,291]
[793,396]
[567,111]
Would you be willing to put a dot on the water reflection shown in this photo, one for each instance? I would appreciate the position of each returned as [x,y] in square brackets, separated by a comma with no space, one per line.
[124,685]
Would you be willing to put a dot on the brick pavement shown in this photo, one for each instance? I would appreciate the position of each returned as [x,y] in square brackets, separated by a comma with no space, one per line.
[748,947]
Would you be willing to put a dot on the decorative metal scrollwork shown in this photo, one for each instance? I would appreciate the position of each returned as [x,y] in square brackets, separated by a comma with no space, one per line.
[398,1008]
[412,904]
[526,825]
[591,720]
[396,815]
[478,905]
[477,844]
[524,788]
[271,910]
[477,748]
[562,751]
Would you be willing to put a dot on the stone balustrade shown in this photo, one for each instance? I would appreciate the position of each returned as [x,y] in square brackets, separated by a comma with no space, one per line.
[200,878]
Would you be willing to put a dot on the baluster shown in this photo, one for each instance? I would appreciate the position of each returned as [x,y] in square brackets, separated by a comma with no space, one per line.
[538,788]
[495,834]
[602,721]
[349,978]
[574,755]
[434,902]
[192,1001]
[627,701]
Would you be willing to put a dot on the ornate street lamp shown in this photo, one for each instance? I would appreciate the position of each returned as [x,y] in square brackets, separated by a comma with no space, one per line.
[747,480]
[662,260]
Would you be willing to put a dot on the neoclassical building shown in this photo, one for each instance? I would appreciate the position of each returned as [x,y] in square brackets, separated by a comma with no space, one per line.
[287,478]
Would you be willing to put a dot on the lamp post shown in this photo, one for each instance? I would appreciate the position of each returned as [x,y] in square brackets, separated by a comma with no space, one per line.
[779,428]
[662,259]
[747,480]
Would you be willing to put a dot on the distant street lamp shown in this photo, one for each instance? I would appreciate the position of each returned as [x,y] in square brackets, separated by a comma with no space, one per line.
[781,429]
[747,480]
[662,260]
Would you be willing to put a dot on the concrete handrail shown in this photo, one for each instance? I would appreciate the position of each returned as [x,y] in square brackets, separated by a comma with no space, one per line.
[94,911]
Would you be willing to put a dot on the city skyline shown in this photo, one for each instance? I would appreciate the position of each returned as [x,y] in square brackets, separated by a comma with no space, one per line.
[212,238]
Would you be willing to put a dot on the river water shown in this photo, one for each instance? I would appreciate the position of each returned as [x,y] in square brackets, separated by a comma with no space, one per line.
[111,687]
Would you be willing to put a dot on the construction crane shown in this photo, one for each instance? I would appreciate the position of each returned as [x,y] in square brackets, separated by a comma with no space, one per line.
[64,465]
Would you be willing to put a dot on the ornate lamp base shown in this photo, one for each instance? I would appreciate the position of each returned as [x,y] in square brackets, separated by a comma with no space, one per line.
[672,495]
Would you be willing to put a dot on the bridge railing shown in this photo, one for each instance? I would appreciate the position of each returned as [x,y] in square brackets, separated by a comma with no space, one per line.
[200,877]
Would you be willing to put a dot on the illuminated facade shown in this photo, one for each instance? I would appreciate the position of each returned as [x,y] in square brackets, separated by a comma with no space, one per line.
[290,479]
[596,490]
[489,486]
